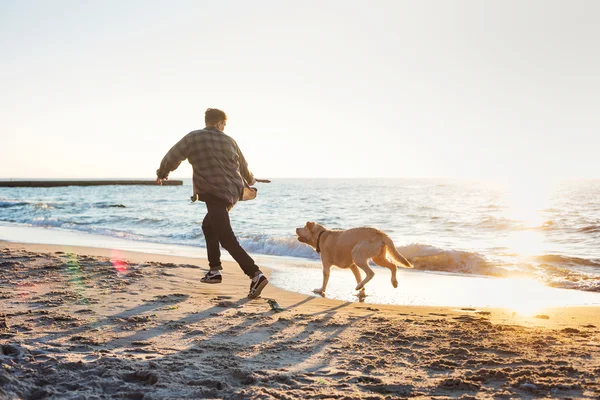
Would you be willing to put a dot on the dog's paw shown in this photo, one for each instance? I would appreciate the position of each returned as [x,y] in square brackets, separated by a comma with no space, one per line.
[361,294]
[319,292]
[395,284]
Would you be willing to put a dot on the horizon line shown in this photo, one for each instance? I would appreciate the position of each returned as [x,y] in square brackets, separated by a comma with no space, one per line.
[295,177]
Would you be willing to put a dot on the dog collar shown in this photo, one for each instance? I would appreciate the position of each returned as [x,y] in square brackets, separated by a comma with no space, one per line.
[318,239]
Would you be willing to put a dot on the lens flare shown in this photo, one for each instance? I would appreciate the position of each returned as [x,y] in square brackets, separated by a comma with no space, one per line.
[118,263]
[76,278]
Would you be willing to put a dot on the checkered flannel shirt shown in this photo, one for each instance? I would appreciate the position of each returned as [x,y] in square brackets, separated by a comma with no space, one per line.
[219,166]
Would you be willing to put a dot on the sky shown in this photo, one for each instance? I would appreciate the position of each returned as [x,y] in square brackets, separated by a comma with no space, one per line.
[442,89]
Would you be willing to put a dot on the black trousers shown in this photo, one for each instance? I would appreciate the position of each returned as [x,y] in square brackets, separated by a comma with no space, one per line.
[217,230]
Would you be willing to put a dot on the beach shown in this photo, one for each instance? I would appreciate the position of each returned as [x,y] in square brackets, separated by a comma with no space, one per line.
[80,322]
[140,136]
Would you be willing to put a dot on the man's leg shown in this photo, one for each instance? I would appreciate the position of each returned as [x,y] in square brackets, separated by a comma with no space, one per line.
[221,226]
[212,245]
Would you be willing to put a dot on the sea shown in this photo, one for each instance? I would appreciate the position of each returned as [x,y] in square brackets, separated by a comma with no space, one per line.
[472,243]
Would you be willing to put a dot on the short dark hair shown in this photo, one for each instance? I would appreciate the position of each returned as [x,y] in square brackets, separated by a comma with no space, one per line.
[212,116]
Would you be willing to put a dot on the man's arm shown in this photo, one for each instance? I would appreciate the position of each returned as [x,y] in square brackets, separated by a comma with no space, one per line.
[246,174]
[173,158]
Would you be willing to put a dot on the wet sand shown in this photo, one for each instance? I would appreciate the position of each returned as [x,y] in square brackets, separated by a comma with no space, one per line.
[90,323]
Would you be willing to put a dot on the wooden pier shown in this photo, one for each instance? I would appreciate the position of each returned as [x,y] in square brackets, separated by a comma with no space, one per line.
[86,183]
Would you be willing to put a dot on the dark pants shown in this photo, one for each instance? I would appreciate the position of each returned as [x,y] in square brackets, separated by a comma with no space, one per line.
[217,229]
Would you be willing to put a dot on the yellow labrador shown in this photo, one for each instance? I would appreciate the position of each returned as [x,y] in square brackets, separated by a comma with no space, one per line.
[352,248]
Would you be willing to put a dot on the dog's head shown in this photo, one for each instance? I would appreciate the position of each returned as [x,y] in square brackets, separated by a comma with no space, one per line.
[309,233]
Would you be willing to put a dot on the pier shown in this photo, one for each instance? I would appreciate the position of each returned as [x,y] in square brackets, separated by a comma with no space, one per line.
[86,183]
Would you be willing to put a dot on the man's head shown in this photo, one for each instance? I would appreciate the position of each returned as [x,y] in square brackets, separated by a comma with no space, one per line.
[215,117]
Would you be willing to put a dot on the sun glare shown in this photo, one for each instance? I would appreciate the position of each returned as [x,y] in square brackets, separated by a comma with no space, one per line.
[525,296]
[526,243]
[526,198]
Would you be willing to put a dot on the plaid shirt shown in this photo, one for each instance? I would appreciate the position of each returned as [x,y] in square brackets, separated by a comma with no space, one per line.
[219,166]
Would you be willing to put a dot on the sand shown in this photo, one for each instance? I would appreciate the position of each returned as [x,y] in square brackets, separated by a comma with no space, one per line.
[82,323]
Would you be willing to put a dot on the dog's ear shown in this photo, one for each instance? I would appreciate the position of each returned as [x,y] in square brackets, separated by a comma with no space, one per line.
[310,225]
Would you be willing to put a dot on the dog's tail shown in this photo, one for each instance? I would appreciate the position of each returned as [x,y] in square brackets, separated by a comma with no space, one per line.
[394,254]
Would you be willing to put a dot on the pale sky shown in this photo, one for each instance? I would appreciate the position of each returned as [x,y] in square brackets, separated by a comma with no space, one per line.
[460,89]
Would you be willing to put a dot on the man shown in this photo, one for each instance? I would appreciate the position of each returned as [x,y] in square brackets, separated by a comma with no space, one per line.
[221,177]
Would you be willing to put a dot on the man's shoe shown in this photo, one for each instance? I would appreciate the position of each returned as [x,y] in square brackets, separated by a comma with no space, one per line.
[212,277]
[257,285]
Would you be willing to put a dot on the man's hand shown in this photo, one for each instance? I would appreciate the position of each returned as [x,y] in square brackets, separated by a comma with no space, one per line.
[262,180]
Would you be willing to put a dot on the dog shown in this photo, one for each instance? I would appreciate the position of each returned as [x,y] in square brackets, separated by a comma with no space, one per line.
[352,248]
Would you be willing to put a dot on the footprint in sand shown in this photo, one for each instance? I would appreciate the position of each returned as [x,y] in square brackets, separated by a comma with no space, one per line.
[147,377]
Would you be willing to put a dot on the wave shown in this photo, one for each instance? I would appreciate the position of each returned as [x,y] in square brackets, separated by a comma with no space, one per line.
[105,205]
[501,224]
[430,258]
[62,205]
[278,246]
[566,278]
[556,259]
[498,223]
[590,229]
[551,210]
[42,206]
[81,226]
[9,204]
[586,285]
[88,224]
[118,234]
[33,204]
[551,269]
[423,257]
[507,224]
[43,222]
[86,227]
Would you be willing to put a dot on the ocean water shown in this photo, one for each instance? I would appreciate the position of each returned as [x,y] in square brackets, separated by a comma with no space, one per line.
[543,233]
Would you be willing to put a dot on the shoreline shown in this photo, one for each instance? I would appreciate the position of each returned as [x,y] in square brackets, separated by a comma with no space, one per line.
[235,279]
[89,322]
[298,275]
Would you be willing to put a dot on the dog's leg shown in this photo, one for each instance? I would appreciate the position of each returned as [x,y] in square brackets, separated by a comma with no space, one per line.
[364,265]
[356,272]
[384,262]
[361,254]
[326,270]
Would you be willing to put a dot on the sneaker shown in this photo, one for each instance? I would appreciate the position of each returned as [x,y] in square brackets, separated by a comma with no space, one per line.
[257,285]
[212,277]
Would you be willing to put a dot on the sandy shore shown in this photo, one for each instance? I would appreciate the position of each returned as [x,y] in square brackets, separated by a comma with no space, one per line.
[86,323]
